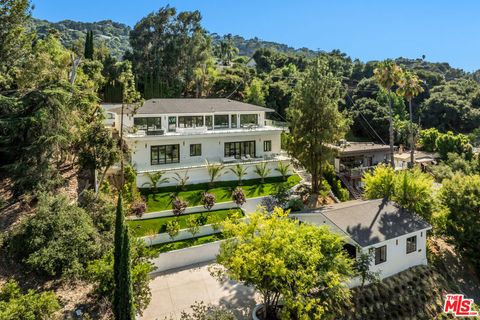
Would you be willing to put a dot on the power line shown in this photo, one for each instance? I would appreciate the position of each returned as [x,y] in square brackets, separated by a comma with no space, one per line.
[363,117]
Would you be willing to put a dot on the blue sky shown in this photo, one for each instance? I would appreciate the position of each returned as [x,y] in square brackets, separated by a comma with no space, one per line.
[445,31]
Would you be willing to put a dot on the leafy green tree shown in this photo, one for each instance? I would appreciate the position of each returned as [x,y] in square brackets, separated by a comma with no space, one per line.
[453,106]
[315,121]
[193,225]
[363,268]
[173,228]
[126,306]
[98,150]
[16,42]
[388,74]
[168,47]
[100,272]
[37,136]
[254,93]
[450,142]
[15,305]
[428,139]
[262,170]
[461,195]
[409,87]
[239,171]
[58,240]
[284,260]
[411,189]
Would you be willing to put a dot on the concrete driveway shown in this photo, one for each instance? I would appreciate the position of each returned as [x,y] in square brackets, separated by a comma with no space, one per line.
[175,291]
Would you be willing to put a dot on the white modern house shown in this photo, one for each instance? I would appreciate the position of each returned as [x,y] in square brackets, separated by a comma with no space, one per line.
[395,237]
[179,135]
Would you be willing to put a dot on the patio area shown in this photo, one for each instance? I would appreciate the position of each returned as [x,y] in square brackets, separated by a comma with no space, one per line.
[177,290]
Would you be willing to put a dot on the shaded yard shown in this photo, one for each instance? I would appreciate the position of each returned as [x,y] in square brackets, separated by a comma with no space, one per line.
[222,190]
[153,226]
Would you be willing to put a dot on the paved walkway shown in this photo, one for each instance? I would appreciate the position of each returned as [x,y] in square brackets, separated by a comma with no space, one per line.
[176,291]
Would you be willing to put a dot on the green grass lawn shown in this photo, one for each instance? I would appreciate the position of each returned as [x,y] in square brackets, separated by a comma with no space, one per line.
[153,226]
[222,190]
[165,247]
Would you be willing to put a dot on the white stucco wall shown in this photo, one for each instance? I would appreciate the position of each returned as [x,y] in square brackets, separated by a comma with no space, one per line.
[185,257]
[397,257]
[212,147]
[200,174]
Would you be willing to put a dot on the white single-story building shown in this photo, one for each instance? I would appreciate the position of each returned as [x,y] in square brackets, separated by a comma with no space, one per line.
[394,236]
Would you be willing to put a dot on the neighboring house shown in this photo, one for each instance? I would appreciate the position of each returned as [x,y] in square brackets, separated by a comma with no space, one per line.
[178,135]
[422,159]
[354,158]
[395,237]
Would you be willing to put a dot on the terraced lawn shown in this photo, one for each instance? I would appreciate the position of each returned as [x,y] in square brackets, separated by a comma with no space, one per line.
[153,226]
[165,247]
[223,191]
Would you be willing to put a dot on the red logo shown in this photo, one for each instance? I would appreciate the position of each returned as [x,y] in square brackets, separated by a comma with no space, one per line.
[459,306]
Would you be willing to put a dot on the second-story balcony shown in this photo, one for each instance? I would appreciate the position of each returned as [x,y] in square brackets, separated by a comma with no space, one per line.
[133,133]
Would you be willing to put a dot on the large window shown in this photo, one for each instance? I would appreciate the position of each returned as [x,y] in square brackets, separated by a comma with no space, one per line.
[172,123]
[240,149]
[209,122]
[195,150]
[267,145]
[233,120]
[221,121]
[248,120]
[148,123]
[412,244]
[190,121]
[380,254]
[165,154]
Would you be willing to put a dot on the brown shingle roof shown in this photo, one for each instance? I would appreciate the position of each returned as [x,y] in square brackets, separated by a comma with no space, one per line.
[189,105]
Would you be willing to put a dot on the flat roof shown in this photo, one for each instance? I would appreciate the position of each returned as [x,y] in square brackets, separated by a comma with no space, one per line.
[191,106]
[373,221]
[352,148]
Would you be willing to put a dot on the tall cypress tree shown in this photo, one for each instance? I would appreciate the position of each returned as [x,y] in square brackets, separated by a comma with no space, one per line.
[126,305]
[117,254]
[89,45]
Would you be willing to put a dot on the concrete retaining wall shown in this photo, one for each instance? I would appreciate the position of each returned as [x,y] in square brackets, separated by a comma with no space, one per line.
[196,209]
[187,256]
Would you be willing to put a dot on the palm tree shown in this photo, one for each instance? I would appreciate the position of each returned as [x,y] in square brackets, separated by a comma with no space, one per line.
[214,171]
[226,50]
[387,74]
[156,179]
[283,169]
[410,87]
[181,181]
[239,171]
[262,171]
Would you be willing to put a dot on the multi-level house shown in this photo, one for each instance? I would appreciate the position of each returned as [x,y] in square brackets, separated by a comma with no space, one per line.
[352,159]
[179,135]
